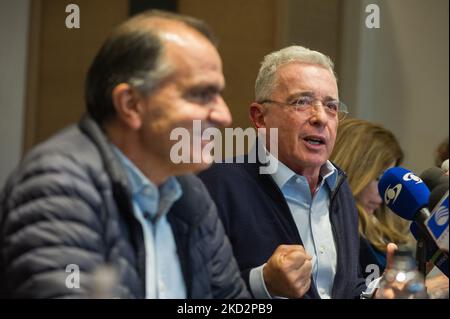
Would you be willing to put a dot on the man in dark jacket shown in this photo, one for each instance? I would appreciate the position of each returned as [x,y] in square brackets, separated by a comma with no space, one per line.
[96,210]
[294,231]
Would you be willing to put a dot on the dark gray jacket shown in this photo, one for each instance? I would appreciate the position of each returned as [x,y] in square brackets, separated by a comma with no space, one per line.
[69,203]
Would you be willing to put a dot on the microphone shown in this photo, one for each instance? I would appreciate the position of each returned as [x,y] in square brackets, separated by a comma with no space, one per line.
[444,166]
[439,191]
[433,254]
[432,177]
[407,196]
[437,223]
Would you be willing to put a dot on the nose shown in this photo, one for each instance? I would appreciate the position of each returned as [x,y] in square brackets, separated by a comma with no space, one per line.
[377,199]
[318,115]
[220,114]
[376,195]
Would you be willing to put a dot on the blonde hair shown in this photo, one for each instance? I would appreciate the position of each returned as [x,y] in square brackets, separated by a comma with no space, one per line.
[364,150]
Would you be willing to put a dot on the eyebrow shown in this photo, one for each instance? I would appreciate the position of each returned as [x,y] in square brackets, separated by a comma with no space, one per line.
[207,87]
[309,94]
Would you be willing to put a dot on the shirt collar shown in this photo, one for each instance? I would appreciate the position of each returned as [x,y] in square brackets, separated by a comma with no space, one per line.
[137,179]
[170,190]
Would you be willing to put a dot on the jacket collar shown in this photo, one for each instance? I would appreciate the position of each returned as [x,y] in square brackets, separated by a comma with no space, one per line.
[120,188]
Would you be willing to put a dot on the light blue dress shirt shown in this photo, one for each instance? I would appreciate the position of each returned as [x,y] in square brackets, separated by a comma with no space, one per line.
[311,216]
[163,274]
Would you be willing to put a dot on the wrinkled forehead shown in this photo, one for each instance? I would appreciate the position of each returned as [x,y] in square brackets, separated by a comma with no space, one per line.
[175,33]
[184,50]
[193,59]
[300,77]
[191,48]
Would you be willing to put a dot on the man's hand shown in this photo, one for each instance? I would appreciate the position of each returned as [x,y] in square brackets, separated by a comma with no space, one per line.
[287,273]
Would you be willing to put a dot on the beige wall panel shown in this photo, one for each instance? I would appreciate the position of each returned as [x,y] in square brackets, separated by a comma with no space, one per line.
[246,33]
[64,57]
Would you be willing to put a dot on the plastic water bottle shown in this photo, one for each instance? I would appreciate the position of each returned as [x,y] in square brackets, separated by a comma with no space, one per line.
[403,280]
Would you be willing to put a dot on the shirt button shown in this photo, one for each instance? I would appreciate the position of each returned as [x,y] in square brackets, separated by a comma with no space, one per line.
[147,215]
[298,180]
[322,249]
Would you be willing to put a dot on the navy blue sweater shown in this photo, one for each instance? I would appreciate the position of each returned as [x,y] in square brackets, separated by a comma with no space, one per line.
[257,220]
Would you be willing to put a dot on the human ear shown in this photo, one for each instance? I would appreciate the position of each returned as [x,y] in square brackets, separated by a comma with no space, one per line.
[126,102]
[257,114]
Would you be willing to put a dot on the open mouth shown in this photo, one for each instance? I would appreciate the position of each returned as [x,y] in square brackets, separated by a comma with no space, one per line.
[314,140]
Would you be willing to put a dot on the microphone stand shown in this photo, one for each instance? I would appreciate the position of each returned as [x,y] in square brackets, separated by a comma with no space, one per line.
[421,255]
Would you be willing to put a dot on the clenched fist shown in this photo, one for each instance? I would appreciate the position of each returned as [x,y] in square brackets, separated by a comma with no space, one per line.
[287,273]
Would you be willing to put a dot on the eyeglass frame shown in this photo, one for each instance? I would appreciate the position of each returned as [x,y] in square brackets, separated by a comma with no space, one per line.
[341,113]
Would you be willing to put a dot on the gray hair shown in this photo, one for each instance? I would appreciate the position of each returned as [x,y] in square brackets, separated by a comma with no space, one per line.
[265,80]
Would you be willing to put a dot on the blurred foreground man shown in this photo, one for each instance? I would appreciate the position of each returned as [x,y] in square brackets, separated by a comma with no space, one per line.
[104,192]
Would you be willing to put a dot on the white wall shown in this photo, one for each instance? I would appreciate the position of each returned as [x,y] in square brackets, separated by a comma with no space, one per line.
[13,55]
[398,75]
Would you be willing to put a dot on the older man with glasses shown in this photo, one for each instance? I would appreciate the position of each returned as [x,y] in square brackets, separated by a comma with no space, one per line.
[294,232]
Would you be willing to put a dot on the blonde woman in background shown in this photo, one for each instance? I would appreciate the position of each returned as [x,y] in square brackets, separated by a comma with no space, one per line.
[364,151]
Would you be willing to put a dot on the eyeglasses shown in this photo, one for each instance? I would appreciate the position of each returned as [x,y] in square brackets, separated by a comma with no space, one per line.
[333,108]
